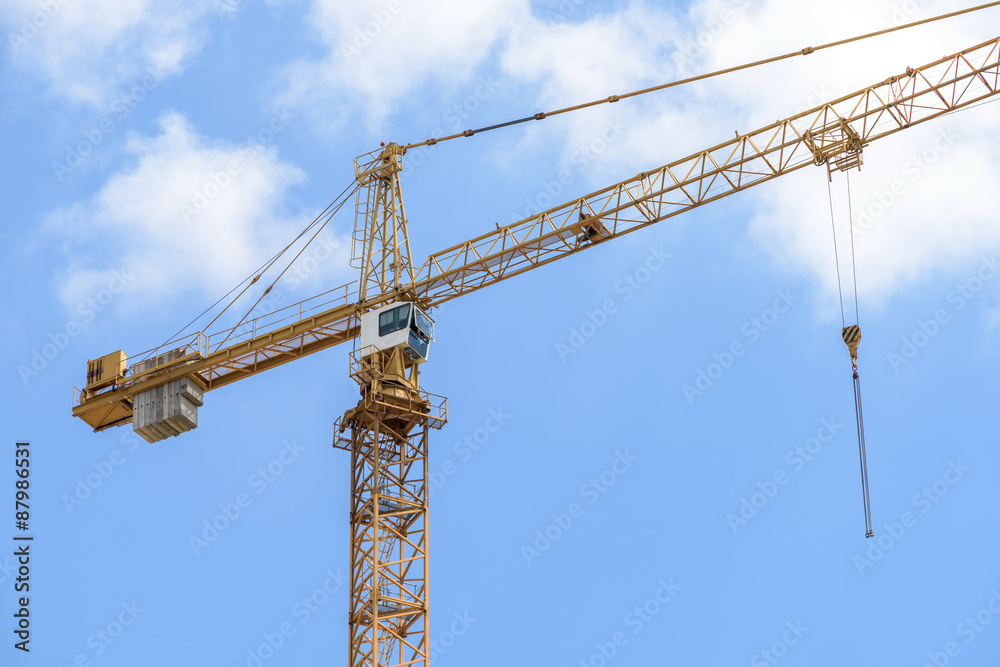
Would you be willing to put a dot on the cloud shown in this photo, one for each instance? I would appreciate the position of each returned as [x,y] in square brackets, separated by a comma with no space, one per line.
[188,217]
[586,58]
[379,55]
[378,52]
[918,202]
[85,50]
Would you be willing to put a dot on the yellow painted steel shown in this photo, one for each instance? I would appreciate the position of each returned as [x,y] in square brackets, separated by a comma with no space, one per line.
[889,106]
[106,370]
[390,424]
[852,336]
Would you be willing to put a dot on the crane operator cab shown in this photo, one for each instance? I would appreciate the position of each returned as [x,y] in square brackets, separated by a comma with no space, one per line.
[399,324]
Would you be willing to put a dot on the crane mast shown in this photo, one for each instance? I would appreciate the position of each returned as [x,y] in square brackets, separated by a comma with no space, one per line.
[387,431]
[388,436]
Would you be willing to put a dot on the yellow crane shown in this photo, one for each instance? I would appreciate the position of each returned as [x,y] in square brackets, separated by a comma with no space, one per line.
[386,433]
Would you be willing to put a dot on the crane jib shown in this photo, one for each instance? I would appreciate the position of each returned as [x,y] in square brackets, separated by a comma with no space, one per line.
[821,135]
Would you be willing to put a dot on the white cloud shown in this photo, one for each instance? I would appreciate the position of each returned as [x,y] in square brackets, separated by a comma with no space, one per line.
[381,51]
[571,62]
[919,193]
[938,223]
[85,50]
[190,216]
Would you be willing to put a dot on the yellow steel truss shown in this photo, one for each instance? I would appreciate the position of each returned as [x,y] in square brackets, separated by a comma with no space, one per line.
[389,427]
[382,251]
[833,131]
[389,568]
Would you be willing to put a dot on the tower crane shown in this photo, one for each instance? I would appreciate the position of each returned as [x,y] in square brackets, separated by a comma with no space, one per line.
[387,431]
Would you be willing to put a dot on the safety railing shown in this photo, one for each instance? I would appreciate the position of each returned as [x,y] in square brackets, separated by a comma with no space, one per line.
[205,344]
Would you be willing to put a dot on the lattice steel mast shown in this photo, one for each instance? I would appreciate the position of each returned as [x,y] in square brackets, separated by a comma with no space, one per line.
[388,444]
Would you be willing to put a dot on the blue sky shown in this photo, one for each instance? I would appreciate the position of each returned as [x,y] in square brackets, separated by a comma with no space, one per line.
[597,525]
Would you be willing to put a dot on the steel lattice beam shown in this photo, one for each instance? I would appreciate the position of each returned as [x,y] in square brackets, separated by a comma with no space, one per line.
[823,134]
[389,502]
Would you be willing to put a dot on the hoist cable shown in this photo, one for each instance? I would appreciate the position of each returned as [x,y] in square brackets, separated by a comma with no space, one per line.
[182,329]
[854,265]
[852,336]
[836,256]
[615,98]
[268,265]
[866,498]
[289,265]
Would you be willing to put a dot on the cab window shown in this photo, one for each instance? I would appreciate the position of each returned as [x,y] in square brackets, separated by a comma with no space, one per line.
[393,320]
[423,324]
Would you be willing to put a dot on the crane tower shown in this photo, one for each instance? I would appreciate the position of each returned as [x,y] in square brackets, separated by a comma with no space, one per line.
[388,435]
